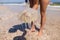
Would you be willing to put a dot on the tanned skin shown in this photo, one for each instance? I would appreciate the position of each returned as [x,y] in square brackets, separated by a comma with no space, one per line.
[43,6]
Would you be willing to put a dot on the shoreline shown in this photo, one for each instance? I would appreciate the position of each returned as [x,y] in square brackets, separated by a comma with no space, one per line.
[22,4]
[53,6]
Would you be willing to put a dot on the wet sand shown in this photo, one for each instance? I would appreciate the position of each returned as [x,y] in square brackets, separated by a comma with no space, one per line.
[11,29]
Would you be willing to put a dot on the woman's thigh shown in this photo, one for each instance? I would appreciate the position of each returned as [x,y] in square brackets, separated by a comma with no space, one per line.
[33,2]
[43,5]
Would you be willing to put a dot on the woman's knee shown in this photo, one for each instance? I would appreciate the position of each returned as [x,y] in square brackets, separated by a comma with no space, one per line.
[43,12]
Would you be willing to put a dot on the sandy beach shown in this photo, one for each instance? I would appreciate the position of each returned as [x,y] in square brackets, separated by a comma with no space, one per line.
[11,29]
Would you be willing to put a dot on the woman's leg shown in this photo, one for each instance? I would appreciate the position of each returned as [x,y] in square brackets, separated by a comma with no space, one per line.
[34,5]
[43,6]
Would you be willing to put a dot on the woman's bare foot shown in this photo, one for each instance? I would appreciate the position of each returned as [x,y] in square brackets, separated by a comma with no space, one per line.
[40,33]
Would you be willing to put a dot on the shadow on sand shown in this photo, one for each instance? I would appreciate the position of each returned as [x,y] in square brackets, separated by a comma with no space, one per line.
[22,28]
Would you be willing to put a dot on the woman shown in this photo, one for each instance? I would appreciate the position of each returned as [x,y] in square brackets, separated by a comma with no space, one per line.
[43,6]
